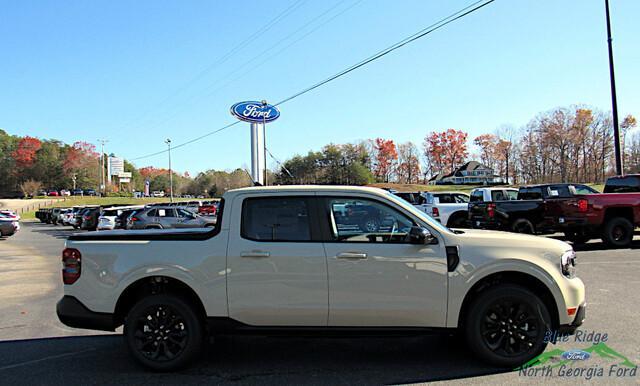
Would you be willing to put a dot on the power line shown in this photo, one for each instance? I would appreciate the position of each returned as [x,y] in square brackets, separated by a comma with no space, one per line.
[420,34]
[279,163]
[210,89]
[290,9]
[433,27]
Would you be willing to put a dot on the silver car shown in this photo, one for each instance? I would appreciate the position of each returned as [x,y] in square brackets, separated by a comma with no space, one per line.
[164,217]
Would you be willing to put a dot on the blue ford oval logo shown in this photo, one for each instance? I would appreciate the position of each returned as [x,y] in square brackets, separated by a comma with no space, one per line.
[254,111]
[576,355]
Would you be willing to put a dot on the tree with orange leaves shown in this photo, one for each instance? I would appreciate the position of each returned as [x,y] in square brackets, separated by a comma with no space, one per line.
[385,157]
[446,150]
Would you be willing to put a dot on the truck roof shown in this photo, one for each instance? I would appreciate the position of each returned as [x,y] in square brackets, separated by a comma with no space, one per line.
[307,188]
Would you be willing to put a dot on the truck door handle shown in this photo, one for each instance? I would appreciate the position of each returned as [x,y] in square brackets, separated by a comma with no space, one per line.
[352,255]
[254,254]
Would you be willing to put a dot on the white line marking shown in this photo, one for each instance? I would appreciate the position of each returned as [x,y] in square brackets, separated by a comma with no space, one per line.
[608,262]
[45,359]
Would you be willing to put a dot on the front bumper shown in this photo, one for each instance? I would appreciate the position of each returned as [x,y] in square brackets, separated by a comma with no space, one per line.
[569,329]
[73,313]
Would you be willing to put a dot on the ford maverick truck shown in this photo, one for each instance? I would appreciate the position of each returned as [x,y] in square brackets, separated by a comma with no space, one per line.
[290,259]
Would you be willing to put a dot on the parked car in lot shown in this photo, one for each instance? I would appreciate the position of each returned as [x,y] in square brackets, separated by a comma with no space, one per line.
[414,198]
[450,208]
[8,226]
[55,216]
[89,192]
[90,218]
[493,194]
[121,219]
[157,193]
[76,192]
[164,217]
[108,217]
[10,214]
[281,259]
[65,192]
[208,208]
[53,193]
[539,209]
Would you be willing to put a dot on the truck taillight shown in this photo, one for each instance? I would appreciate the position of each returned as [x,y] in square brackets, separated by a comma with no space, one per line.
[491,210]
[435,212]
[583,205]
[71,259]
[133,219]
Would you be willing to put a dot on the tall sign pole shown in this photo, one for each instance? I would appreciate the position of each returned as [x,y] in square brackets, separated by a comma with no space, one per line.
[614,101]
[258,114]
[103,185]
[168,142]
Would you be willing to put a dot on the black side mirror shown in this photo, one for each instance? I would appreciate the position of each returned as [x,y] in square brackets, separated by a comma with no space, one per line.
[420,235]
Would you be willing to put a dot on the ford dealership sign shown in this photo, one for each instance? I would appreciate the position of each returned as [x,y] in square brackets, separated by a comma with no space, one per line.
[255,112]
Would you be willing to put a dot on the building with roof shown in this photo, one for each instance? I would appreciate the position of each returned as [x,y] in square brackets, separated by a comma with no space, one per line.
[471,173]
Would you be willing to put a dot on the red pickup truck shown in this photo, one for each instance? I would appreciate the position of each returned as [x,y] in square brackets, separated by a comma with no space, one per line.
[612,216]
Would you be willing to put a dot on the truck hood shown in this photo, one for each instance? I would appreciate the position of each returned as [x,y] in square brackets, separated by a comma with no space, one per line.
[475,238]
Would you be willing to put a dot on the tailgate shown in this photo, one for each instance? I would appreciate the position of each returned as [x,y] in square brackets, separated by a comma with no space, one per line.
[478,213]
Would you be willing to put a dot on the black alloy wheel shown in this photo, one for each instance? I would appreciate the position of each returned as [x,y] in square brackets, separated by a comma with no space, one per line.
[506,325]
[163,332]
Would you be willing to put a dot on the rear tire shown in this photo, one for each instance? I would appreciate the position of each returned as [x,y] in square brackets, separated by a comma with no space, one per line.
[618,232]
[163,332]
[458,221]
[506,324]
[522,225]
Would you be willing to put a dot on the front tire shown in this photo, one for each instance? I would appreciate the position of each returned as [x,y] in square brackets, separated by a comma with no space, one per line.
[163,332]
[505,325]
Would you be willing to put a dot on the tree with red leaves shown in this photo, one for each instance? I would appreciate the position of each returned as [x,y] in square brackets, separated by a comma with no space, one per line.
[386,155]
[446,150]
[25,153]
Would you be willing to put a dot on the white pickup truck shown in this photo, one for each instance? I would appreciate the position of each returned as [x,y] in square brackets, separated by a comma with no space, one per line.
[302,258]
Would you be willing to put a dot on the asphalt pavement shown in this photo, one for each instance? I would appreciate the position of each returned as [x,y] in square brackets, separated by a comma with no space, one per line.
[35,348]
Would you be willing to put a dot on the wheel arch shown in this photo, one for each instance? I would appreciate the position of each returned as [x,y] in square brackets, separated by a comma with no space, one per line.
[523,279]
[151,285]
[458,213]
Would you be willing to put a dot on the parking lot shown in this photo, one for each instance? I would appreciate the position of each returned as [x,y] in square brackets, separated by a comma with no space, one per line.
[35,348]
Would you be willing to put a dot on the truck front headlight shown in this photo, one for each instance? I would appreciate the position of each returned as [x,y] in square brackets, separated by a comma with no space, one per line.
[568,263]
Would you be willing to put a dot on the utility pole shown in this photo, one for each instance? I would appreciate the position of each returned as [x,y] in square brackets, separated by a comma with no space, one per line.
[264,141]
[614,102]
[168,142]
[102,183]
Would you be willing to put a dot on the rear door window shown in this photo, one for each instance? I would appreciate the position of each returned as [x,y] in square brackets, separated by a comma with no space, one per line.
[533,193]
[498,195]
[559,191]
[276,219]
